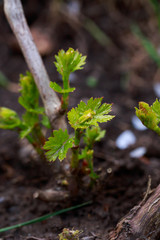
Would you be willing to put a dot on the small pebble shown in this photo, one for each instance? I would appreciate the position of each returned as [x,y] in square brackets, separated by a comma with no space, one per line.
[72,77]
[109,170]
[137,124]
[125,139]
[74,7]
[2,199]
[138,152]
[156,88]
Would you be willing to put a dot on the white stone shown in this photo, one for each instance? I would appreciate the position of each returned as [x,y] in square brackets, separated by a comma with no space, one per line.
[137,124]
[138,152]
[74,7]
[125,139]
[156,88]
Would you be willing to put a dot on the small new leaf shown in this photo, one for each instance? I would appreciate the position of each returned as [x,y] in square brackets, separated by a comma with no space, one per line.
[45,122]
[29,98]
[89,114]
[156,108]
[93,134]
[58,145]
[69,61]
[68,234]
[149,115]
[9,119]
[29,121]
[57,88]
[26,131]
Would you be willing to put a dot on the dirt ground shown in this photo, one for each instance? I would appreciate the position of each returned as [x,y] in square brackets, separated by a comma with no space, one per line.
[124,75]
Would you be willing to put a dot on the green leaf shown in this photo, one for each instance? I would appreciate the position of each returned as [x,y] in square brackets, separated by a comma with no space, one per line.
[86,154]
[68,234]
[156,108]
[149,115]
[45,121]
[83,154]
[89,114]
[9,119]
[30,118]
[58,145]
[29,98]
[93,134]
[57,88]
[29,121]
[26,131]
[69,61]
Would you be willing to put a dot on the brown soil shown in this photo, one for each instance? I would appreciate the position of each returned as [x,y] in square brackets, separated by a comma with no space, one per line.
[125,76]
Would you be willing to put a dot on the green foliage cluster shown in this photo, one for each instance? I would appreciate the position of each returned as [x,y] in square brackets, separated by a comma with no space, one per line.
[150,115]
[68,234]
[29,126]
[66,63]
[84,119]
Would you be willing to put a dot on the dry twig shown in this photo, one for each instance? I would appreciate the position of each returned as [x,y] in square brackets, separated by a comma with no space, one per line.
[15,15]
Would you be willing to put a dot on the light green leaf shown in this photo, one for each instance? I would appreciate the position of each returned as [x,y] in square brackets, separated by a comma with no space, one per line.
[58,145]
[37,110]
[86,154]
[93,134]
[30,118]
[29,121]
[9,119]
[149,115]
[26,131]
[29,98]
[69,61]
[45,121]
[89,114]
[57,88]
[83,154]
[156,108]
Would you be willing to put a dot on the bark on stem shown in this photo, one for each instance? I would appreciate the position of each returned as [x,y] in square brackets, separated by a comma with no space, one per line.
[15,15]
[142,222]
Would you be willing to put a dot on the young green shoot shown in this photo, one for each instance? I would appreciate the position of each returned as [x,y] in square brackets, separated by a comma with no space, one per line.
[150,115]
[29,126]
[68,234]
[84,119]
[66,63]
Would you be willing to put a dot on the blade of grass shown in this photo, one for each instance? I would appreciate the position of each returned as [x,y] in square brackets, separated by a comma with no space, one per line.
[96,32]
[147,44]
[3,80]
[44,217]
[155,4]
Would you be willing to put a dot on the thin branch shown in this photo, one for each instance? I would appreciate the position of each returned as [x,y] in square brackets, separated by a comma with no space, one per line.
[15,15]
